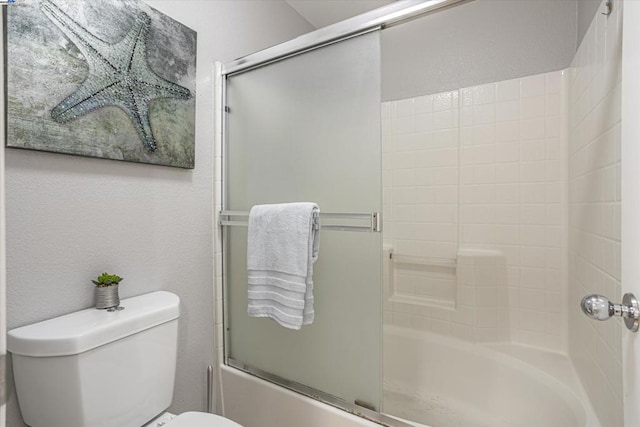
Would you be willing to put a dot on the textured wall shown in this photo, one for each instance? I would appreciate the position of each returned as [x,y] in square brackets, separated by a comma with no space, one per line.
[70,218]
[479,42]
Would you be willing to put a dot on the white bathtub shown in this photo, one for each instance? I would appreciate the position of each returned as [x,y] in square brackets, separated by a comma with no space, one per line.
[433,381]
[442,381]
[253,402]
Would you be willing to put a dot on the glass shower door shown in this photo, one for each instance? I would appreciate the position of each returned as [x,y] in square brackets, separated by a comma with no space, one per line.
[307,128]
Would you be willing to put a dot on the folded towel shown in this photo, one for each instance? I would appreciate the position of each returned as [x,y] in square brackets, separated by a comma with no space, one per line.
[282,246]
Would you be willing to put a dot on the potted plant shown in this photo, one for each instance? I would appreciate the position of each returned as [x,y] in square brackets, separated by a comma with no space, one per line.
[107,291]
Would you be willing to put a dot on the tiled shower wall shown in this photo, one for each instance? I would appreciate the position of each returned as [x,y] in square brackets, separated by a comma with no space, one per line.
[595,216]
[478,175]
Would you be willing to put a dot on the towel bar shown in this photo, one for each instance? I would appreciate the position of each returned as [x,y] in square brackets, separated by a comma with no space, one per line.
[374,223]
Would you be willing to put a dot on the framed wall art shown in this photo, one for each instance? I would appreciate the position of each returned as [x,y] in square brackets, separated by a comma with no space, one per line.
[113,79]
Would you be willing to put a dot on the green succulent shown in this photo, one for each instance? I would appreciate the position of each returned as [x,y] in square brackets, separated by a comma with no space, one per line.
[106,279]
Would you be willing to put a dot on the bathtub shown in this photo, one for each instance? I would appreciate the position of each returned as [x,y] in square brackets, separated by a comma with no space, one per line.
[253,402]
[431,380]
[441,381]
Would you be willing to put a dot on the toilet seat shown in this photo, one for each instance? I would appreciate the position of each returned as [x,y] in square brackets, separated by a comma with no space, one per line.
[201,419]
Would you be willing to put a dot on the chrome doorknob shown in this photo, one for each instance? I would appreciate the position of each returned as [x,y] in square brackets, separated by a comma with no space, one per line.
[599,307]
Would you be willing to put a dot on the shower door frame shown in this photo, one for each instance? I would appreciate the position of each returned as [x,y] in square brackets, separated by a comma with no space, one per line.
[384,17]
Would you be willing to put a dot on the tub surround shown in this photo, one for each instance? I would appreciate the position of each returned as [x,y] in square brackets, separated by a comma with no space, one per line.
[595,80]
[474,170]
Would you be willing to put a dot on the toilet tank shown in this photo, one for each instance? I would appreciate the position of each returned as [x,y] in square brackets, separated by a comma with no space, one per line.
[95,368]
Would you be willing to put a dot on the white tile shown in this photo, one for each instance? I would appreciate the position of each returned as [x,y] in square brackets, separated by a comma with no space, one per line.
[554,104]
[507,173]
[423,122]
[533,299]
[485,174]
[484,94]
[533,235]
[466,97]
[507,131]
[554,148]
[532,86]
[508,90]
[533,214]
[443,101]
[484,134]
[483,114]
[487,318]
[478,233]
[423,104]
[405,124]
[444,138]
[533,257]
[507,193]
[507,110]
[443,120]
[553,127]
[507,234]
[554,82]
[487,297]
[533,278]
[531,108]
[404,107]
[478,154]
[533,192]
[535,171]
[533,150]
[507,214]
[466,116]
[532,129]
[507,152]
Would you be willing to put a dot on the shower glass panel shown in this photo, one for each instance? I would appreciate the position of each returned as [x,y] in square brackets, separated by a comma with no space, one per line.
[493,160]
[307,128]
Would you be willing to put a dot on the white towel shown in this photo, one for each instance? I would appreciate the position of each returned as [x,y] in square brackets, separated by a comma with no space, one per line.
[282,246]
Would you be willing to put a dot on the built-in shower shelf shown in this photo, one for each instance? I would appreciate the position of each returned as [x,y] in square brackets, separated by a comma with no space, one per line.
[424,301]
[434,262]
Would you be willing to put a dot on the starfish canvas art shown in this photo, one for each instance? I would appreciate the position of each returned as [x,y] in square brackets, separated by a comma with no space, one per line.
[112,79]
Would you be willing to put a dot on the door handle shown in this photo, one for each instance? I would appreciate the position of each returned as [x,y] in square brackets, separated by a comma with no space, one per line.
[599,307]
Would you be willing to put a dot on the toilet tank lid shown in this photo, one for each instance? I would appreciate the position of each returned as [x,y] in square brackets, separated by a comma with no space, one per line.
[84,330]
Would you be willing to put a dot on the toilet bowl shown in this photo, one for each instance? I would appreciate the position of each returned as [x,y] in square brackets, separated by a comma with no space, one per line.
[200,419]
[95,368]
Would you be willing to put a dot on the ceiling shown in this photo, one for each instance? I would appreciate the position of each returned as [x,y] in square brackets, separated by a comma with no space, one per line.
[321,13]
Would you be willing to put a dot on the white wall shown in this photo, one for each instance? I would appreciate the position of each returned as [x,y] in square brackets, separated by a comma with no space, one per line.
[595,211]
[70,218]
[479,42]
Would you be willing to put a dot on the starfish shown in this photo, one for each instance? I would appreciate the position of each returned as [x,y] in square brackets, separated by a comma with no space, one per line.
[119,75]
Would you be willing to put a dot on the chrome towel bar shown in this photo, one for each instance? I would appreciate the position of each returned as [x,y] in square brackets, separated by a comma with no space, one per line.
[325,221]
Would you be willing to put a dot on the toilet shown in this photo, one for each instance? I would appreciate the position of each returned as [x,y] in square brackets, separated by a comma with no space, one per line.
[95,368]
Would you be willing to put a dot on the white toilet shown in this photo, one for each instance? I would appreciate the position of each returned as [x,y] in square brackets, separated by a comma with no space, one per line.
[95,368]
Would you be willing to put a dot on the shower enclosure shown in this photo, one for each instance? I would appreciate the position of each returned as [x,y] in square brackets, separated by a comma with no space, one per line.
[461,223]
